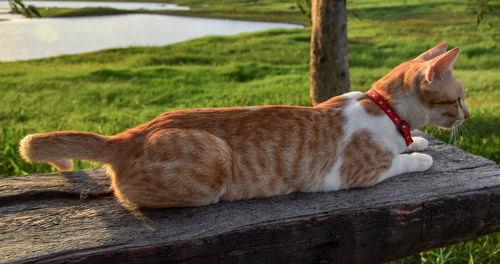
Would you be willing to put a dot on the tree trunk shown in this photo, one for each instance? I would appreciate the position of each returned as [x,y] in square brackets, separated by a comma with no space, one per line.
[329,73]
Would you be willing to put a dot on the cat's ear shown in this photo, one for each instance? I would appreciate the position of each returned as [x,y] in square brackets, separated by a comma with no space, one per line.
[432,53]
[441,64]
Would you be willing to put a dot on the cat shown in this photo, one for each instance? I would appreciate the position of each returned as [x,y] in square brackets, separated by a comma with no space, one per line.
[202,156]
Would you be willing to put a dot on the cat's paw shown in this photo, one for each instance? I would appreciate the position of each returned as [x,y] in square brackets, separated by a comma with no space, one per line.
[62,164]
[423,161]
[419,144]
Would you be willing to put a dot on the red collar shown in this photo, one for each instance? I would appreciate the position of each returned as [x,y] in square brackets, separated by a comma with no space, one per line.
[402,125]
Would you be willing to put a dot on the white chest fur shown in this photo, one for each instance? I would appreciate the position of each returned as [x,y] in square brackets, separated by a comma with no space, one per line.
[382,132]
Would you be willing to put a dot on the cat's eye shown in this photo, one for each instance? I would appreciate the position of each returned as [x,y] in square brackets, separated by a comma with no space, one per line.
[460,101]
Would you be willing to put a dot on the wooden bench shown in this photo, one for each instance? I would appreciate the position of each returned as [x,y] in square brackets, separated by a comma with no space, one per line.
[73,217]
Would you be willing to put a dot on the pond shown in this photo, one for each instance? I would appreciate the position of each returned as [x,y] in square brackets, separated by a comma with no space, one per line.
[23,39]
[116,5]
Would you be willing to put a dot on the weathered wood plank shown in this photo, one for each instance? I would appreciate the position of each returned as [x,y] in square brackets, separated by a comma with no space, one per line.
[43,219]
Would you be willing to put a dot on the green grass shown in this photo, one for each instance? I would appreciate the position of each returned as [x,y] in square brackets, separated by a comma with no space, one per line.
[270,10]
[108,91]
[79,12]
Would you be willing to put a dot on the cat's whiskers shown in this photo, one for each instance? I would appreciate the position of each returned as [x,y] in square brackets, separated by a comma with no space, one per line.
[456,128]
[465,132]
[438,131]
[465,129]
[435,131]
[453,132]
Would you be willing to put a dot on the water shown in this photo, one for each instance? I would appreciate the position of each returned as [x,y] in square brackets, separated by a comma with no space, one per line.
[22,39]
[116,5]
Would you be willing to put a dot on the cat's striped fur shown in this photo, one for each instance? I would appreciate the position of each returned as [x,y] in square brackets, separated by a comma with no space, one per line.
[201,156]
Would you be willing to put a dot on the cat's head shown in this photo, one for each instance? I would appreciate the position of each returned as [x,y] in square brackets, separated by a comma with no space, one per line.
[428,89]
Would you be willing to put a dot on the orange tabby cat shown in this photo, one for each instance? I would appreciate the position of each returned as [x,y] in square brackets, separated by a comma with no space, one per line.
[201,156]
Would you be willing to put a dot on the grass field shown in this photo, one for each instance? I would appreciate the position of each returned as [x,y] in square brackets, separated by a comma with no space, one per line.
[108,91]
[270,10]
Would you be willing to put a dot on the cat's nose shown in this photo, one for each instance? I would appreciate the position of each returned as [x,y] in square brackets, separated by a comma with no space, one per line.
[466,113]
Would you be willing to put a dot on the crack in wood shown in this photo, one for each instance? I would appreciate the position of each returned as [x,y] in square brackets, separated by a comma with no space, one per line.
[48,195]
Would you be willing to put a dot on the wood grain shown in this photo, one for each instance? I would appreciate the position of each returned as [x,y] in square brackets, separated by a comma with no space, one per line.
[73,217]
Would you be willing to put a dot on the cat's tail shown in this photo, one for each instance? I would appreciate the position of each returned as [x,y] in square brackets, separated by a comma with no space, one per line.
[59,148]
